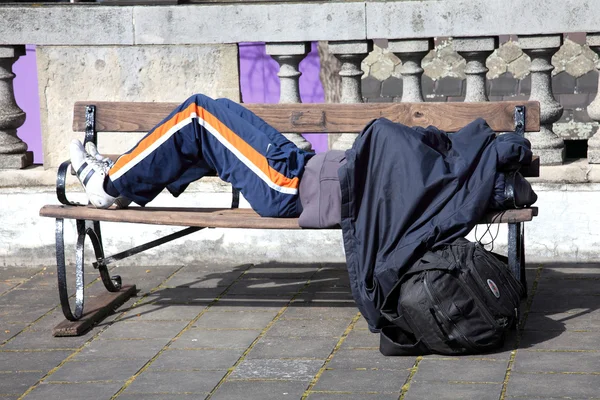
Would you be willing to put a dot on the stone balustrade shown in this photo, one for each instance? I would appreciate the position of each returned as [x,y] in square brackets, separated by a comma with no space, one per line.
[409,28]
[475,51]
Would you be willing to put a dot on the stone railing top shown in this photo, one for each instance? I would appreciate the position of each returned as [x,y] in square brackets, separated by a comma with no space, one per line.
[181,24]
[285,22]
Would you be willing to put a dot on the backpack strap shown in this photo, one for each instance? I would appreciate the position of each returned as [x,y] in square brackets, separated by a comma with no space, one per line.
[393,341]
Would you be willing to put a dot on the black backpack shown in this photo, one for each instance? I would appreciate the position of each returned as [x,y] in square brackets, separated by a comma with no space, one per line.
[461,299]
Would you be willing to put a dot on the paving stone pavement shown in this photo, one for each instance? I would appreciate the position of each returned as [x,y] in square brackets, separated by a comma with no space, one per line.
[277,331]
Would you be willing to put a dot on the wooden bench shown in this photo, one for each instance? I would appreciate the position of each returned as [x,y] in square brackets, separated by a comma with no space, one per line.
[94,117]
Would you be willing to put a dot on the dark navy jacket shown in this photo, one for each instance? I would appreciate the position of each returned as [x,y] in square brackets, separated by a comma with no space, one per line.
[407,190]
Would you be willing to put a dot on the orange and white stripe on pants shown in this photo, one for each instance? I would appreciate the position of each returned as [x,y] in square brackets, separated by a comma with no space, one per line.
[249,156]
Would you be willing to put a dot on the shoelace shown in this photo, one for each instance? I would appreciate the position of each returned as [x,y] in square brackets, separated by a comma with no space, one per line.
[108,163]
[93,161]
[91,151]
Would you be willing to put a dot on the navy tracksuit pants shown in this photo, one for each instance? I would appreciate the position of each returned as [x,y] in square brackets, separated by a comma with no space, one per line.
[204,136]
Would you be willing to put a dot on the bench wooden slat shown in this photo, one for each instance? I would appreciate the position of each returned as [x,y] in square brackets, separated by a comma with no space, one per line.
[325,118]
[220,217]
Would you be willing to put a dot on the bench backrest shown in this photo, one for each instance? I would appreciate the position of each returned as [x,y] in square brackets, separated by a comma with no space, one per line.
[327,118]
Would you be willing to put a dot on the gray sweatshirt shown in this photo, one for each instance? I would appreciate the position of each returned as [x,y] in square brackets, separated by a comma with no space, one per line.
[320,192]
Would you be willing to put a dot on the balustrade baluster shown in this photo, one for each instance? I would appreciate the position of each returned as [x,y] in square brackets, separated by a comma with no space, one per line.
[411,52]
[289,55]
[350,54]
[13,151]
[475,51]
[546,144]
[593,154]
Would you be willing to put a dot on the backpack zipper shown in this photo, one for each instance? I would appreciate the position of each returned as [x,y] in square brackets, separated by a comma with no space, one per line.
[487,315]
[470,345]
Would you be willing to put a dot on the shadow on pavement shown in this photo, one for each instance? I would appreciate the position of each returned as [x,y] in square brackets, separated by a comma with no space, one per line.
[261,285]
[561,292]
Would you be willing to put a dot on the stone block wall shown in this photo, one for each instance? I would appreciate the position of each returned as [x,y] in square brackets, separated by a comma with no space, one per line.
[67,74]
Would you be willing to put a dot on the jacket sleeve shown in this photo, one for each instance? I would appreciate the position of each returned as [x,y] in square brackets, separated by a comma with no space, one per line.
[513,149]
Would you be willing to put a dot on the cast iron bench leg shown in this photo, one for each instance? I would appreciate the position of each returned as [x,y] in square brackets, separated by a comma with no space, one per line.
[84,228]
[111,283]
[62,275]
[516,252]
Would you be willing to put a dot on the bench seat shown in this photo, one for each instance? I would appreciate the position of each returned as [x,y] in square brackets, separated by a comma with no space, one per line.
[221,217]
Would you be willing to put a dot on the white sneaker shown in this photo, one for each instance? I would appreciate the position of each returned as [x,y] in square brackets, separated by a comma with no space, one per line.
[91,172]
[92,150]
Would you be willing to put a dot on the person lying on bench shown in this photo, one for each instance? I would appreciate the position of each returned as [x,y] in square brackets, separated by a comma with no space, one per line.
[203,136]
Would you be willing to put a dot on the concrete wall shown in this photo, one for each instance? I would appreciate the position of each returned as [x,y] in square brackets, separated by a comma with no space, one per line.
[567,229]
[125,73]
[28,240]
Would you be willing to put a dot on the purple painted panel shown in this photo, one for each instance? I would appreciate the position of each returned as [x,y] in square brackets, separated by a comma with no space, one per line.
[26,95]
[258,74]
[259,82]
